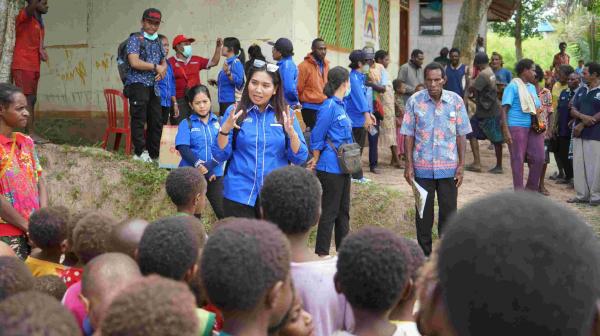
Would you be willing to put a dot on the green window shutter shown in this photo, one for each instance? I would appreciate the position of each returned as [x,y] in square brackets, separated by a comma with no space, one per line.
[336,23]
[384,24]
[327,21]
[346,24]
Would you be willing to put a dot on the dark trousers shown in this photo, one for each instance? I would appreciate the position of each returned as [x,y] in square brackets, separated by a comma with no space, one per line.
[235,209]
[310,117]
[335,212]
[562,155]
[373,154]
[184,110]
[447,197]
[144,107]
[167,116]
[223,107]
[214,194]
[360,137]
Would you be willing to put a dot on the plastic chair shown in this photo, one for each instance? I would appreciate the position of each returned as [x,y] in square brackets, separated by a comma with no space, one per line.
[112,97]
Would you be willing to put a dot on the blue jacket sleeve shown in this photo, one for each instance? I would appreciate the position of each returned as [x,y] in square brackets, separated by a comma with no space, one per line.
[302,155]
[237,72]
[290,83]
[222,155]
[318,137]
[183,134]
[186,153]
[171,76]
[358,94]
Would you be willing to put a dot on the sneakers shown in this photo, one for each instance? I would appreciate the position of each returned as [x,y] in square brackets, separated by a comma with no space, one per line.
[363,180]
[144,157]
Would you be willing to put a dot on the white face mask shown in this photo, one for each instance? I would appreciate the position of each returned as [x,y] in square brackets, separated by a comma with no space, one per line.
[151,37]
[366,68]
[347,93]
[187,51]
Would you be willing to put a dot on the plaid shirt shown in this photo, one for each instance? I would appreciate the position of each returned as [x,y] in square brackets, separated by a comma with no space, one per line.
[435,127]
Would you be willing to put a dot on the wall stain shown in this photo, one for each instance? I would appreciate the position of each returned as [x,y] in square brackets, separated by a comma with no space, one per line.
[79,70]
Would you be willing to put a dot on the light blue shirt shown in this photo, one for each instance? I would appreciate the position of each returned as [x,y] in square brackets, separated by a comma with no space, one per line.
[516,116]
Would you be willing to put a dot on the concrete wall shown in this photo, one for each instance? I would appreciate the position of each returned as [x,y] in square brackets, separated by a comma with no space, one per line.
[82,38]
[431,45]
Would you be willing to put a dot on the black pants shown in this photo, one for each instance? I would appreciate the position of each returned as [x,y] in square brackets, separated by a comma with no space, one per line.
[335,212]
[310,117]
[373,154]
[447,197]
[167,116]
[184,111]
[145,108]
[360,137]
[562,156]
[214,194]
[223,107]
[235,209]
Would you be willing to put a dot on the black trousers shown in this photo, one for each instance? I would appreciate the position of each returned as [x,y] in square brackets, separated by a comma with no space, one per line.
[184,111]
[447,194]
[335,214]
[144,107]
[167,116]
[214,194]
[562,156]
[310,117]
[235,209]
[360,137]
[373,142]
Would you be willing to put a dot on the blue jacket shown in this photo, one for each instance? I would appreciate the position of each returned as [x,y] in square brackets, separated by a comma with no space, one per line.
[289,77]
[261,147]
[356,102]
[200,141]
[334,124]
[226,87]
[167,87]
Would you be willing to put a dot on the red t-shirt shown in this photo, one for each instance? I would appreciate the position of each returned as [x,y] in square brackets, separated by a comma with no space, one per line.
[187,74]
[29,39]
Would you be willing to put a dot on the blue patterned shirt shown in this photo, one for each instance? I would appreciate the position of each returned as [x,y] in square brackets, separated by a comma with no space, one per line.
[152,52]
[435,127]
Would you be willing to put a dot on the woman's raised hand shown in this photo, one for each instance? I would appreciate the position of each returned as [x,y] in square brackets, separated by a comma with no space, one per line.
[231,121]
[288,121]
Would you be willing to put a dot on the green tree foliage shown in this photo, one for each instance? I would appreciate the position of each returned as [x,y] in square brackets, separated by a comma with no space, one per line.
[532,13]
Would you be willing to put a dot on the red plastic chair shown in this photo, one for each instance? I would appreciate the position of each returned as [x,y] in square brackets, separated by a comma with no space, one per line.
[112,97]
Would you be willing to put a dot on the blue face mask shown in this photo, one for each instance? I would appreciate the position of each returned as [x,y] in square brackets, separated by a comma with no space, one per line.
[187,51]
[151,37]
[347,91]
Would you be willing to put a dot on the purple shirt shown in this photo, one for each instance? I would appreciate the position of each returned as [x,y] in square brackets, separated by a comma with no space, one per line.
[435,127]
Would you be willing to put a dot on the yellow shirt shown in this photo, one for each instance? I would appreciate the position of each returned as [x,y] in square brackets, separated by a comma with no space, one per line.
[556,90]
[41,267]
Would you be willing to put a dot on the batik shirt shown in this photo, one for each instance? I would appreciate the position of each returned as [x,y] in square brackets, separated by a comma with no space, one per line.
[435,127]
[19,174]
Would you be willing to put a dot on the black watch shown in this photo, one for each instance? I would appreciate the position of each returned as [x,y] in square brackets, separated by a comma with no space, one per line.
[154,67]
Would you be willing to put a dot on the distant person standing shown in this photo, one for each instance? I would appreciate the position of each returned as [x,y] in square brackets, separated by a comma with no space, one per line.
[564,71]
[29,52]
[562,132]
[480,47]
[457,74]
[561,57]
[283,50]
[435,125]
[312,77]
[254,53]
[503,75]
[374,87]
[186,69]
[230,80]
[387,137]
[411,73]
[443,58]
[580,66]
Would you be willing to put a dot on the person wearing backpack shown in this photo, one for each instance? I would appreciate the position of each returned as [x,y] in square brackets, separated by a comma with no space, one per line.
[147,66]
[332,129]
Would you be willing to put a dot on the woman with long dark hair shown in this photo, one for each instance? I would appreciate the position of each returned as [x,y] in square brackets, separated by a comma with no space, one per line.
[254,53]
[257,136]
[332,129]
[231,77]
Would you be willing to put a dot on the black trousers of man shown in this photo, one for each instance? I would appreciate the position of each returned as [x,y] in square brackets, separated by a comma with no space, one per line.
[360,137]
[335,214]
[309,116]
[562,156]
[447,193]
[144,108]
[239,210]
[214,194]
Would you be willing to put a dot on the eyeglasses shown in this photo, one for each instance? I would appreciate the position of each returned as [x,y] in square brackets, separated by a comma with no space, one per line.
[260,64]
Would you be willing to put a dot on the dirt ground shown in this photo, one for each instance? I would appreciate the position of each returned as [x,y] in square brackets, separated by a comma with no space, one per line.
[477,185]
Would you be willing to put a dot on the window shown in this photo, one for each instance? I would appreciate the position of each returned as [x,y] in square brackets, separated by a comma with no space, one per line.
[336,23]
[430,17]
[384,24]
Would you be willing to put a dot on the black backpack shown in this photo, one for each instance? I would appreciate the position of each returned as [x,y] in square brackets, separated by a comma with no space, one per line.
[122,60]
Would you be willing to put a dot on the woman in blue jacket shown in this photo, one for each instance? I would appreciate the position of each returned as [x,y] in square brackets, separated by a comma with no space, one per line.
[258,135]
[332,129]
[231,77]
[195,138]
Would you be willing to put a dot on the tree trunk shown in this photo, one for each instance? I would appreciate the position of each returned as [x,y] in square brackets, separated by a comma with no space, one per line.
[8,12]
[518,34]
[472,13]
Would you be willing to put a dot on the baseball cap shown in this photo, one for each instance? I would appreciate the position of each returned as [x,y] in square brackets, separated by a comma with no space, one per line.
[283,45]
[152,14]
[369,52]
[182,38]
[357,56]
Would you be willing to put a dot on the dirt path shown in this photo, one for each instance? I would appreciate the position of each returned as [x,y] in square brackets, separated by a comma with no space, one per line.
[477,185]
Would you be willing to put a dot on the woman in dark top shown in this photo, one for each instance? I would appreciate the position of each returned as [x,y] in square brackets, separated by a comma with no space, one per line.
[254,53]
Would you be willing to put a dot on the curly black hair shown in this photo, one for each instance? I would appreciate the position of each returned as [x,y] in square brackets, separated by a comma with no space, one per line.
[524,64]
[372,269]
[416,257]
[518,263]
[36,314]
[15,277]
[291,198]
[183,184]
[48,227]
[241,261]
[91,235]
[51,285]
[152,306]
[168,248]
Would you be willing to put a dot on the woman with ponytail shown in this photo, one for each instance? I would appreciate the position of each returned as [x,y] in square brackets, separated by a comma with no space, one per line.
[231,77]
[332,129]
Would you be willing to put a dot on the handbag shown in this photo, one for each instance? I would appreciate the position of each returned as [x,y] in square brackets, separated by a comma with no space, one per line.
[349,157]
[537,124]
[378,109]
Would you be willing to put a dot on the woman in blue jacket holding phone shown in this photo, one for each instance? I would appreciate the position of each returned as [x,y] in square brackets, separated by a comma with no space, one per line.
[332,129]
[257,136]
[195,138]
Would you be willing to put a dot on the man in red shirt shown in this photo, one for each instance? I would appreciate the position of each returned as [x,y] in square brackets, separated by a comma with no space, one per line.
[29,52]
[186,69]
[561,58]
